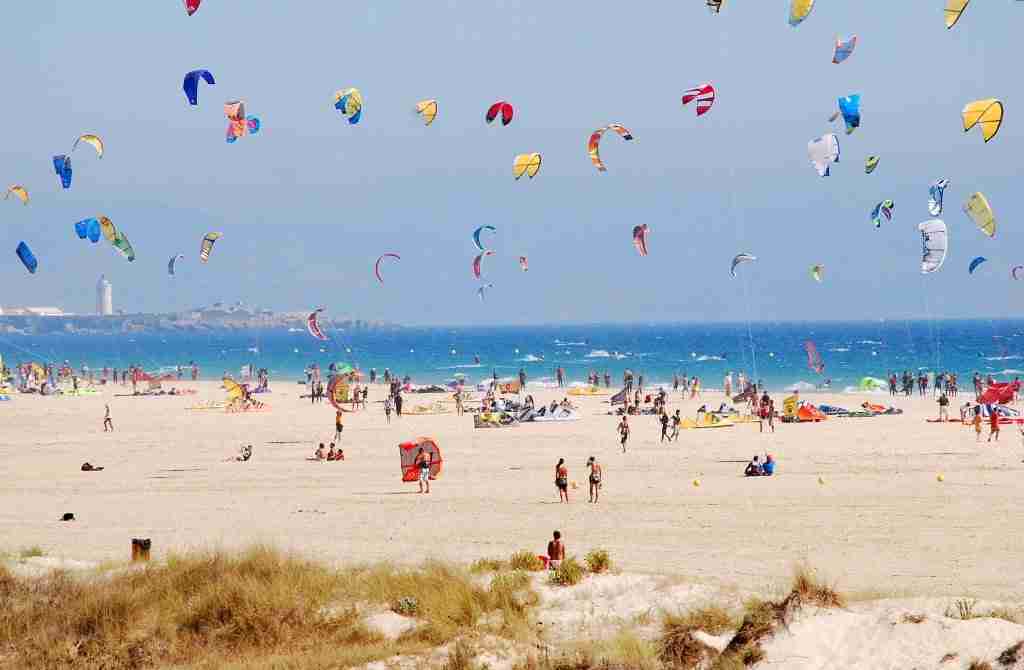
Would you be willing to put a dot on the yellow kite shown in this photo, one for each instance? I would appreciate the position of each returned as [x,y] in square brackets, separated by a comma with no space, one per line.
[798,11]
[92,140]
[954,9]
[528,164]
[19,191]
[988,112]
[428,110]
[980,211]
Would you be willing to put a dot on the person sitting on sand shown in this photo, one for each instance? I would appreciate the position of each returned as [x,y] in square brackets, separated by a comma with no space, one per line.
[754,468]
[319,454]
[331,453]
[701,413]
[89,467]
[244,454]
[768,469]
[556,551]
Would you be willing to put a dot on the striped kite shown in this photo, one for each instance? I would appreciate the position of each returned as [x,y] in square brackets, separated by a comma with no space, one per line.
[593,146]
[207,245]
[704,94]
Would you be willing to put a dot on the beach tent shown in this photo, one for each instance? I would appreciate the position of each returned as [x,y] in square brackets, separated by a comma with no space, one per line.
[407,453]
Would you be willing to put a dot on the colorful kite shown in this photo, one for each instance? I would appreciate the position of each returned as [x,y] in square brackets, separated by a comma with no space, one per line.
[822,152]
[988,112]
[524,264]
[528,164]
[818,273]
[935,193]
[239,124]
[192,6]
[117,238]
[313,324]
[870,163]
[593,146]
[478,232]
[407,452]
[93,141]
[798,11]
[849,107]
[883,208]
[814,360]
[207,245]
[62,166]
[427,109]
[478,260]
[843,49]
[640,238]
[500,107]
[954,9]
[18,191]
[350,103]
[28,259]
[704,94]
[88,229]
[975,263]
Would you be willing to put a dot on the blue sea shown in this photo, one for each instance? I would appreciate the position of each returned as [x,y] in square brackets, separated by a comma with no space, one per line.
[772,352]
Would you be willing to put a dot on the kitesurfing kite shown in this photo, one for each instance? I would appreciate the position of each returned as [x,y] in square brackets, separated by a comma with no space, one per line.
[376,266]
[715,6]
[740,258]
[704,94]
[117,238]
[313,325]
[407,453]
[478,260]
[798,11]
[870,163]
[988,113]
[818,273]
[427,109]
[1014,269]
[524,264]
[500,107]
[172,262]
[88,229]
[935,193]
[62,166]
[849,107]
[478,232]
[593,146]
[480,291]
[978,209]
[823,151]
[975,263]
[18,191]
[814,360]
[92,140]
[843,49]
[933,245]
[883,208]
[207,245]
[350,103]
[528,164]
[954,9]
[238,123]
[192,6]
[191,84]
[28,259]
[640,238]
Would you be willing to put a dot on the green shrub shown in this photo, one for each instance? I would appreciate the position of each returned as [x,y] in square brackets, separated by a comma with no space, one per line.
[526,560]
[598,561]
[569,573]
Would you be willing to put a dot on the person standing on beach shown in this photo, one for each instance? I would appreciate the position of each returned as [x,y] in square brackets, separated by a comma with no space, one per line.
[676,420]
[664,425]
[423,462]
[339,425]
[977,423]
[459,409]
[398,404]
[595,478]
[387,409]
[727,383]
[562,480]
[108,424]
[993,425]
[943,407]
[522,379]
[623,432]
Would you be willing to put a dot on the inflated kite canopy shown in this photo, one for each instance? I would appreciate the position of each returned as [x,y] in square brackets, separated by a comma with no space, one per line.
[191,84]
[849,107]
[88,229]
[715,6]
[703,94]
[192,6]
[987,113]
[935,194]
[27,258]
[349,102]
[975,263]
[594,144]
[478,232]
[799,10]
[738,259]
[117,238]
[528,164]
[870,163]
[18,191]
[818,273]
[313,324]
[480,291]
[954,10]
[477,269]
[640,238]
[427,109]
[171,263]
[502,108]
[206,246]
[92,140]
[884,208]
[407,452]
[1014,270]
[933,245]
[239,124]
[376,265]
[814,359]
[524,263]
[843,49]
[980,212]
[822,152]
[62,166]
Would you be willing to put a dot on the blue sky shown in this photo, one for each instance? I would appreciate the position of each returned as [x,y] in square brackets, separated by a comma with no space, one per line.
[308,205]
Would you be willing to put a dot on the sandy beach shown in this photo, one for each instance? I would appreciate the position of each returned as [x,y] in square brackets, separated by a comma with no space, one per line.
[858,499]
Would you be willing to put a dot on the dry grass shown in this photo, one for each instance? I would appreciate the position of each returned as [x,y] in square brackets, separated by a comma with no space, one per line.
[598,561]
[1012,654]
[526,560]
[256,609]
[482,565]
[569,573]
[679,648]
[913,618]
[812,592]
[977,664]
[31,552]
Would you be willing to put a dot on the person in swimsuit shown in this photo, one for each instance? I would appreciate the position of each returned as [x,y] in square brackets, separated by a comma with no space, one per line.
[664,426]
[556,551]
[423,460]
[108,424]
[623,433]
[595,478]
[977,424]
[339,426]
[387,409]
[993,425]
[562,481]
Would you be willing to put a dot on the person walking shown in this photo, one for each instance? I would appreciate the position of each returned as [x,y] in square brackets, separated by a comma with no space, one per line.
[398,404]
[664,425]
[339,425]
[562,480]
[993,425]
[108,424]
[623,432]
[595,478]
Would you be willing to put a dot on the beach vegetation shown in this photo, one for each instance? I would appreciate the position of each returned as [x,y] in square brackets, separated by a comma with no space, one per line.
[598,561]
[913,618]
[569,573]
[482,565]
[1012,654]
[978,664]
[526,560]
[35,551]
[962,608]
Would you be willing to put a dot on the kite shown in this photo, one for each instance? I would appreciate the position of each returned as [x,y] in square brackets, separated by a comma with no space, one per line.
[428,110]
[117,239]
[350,103]
[192,6]
[62,166]
[92,140]
[191,84]
[407,452]
[975,263]
[988,112]
[740,258]
[500,107]
[849,107]
[883,208]
[594,144]
[935,192]
[528,164]
[798,11]
[207,245]
[978,209]
[28,259]
[954,8]
[480,291]
[170,263]
[524,264]
[476,235]
[1013,271]
[814,360]
[478,260]
[704,94]
[715,6]
[338,390]
[933,245]
[376,266]
[19,191]
[238,123]
[88,229]
[822,151]
[313,325]
[843,49]
[818,273]
[870,163]
[640,238]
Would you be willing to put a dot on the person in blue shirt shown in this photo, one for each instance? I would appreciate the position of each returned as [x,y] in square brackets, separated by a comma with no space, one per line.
[768,469]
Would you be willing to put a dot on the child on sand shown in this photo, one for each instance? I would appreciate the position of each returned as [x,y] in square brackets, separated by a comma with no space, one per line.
[562,480]
[556,551]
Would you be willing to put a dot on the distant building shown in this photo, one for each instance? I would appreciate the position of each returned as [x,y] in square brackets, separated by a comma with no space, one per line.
[104,297]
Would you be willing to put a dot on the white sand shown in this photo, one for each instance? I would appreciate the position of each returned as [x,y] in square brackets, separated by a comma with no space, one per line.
[881,523]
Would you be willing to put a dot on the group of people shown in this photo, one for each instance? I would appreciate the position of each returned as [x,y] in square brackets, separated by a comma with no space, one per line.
[595,477]
[942,383]
[758,468]
[331,454]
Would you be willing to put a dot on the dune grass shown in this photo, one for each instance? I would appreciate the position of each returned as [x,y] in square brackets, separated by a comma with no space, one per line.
[526,560]
[34,551]
[569,573]
[598,561]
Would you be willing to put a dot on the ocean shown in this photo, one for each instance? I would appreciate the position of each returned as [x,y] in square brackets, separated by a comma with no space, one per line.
[772,352]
